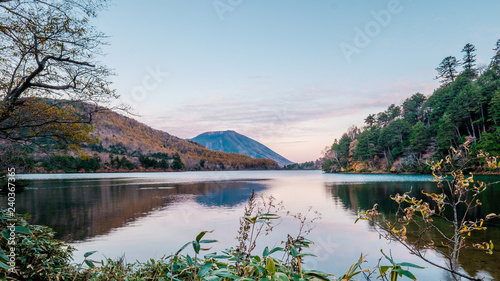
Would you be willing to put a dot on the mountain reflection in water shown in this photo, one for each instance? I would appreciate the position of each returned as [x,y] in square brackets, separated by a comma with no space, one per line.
[81,209]
[148,215]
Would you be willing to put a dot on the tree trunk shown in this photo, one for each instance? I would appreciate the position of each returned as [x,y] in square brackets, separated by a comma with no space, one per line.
[458,132]
[472,126]
[482,116]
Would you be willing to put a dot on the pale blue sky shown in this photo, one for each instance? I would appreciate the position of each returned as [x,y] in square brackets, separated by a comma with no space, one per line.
[275,71]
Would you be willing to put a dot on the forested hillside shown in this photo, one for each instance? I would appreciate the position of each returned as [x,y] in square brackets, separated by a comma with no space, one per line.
[465,108]
[124,144]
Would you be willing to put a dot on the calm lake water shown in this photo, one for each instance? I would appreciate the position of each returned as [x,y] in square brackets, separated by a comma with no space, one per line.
[148,215]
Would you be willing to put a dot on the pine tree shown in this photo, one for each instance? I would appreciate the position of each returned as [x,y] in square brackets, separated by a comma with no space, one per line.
[447,69]
[495,108]
[419,137]
[393,111]
[495,63]
[382,119]
[469,60]
[445,134]
[411,107]
[177,163]
[370,120]
[393,139]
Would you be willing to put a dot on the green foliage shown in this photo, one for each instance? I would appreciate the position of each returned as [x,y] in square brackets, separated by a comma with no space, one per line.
[465,108]
[354,270]
[301,166]
[366,148]
[435,106]
[151,162]
[447,69]
[489,142]
[395,137]
[382,119]
[118,149]
[393,111]
[120,163]
[48,259]
[343,149]
[336,158]
[396,269]
[97,147]
[419,137]
[70,164]
[469,60]
[495,108]
[446,134]
[160,155]
[370,120]
[177,163]
[411,108]
[329,165]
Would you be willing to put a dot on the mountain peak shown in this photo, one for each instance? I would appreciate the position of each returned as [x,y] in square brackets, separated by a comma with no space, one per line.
[231,141]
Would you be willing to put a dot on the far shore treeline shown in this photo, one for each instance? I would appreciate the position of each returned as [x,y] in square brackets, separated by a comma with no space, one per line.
[403,138]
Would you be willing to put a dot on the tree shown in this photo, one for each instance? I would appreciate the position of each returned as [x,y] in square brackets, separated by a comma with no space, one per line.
[447,69]
[469,60]
[495,108]
[411,108]
[164,164]
[342,149]
[370,120]
[393,111]
[48,66]
[495,62]
[419,138]
[366,147]
[177,163]
[382,119]
[353,131]
[445,133]
[490,141]
[466,110]
[435,106]
[394,138]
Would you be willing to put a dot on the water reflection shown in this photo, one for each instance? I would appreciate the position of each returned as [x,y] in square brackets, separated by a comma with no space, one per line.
[361,197]
[148,215]
[82,209]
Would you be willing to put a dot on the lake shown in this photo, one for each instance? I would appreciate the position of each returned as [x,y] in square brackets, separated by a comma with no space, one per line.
[149,215]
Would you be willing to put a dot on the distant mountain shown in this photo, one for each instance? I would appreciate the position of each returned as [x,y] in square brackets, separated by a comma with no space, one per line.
[115,130]
[230,141]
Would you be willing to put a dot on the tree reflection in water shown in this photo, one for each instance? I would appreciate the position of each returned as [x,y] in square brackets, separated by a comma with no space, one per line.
[81,209]
[362,196]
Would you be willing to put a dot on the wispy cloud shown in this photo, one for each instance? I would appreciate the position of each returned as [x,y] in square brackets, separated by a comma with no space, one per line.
[287,114]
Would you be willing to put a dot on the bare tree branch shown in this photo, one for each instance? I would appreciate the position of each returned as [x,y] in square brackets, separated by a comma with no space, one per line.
[56,61]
